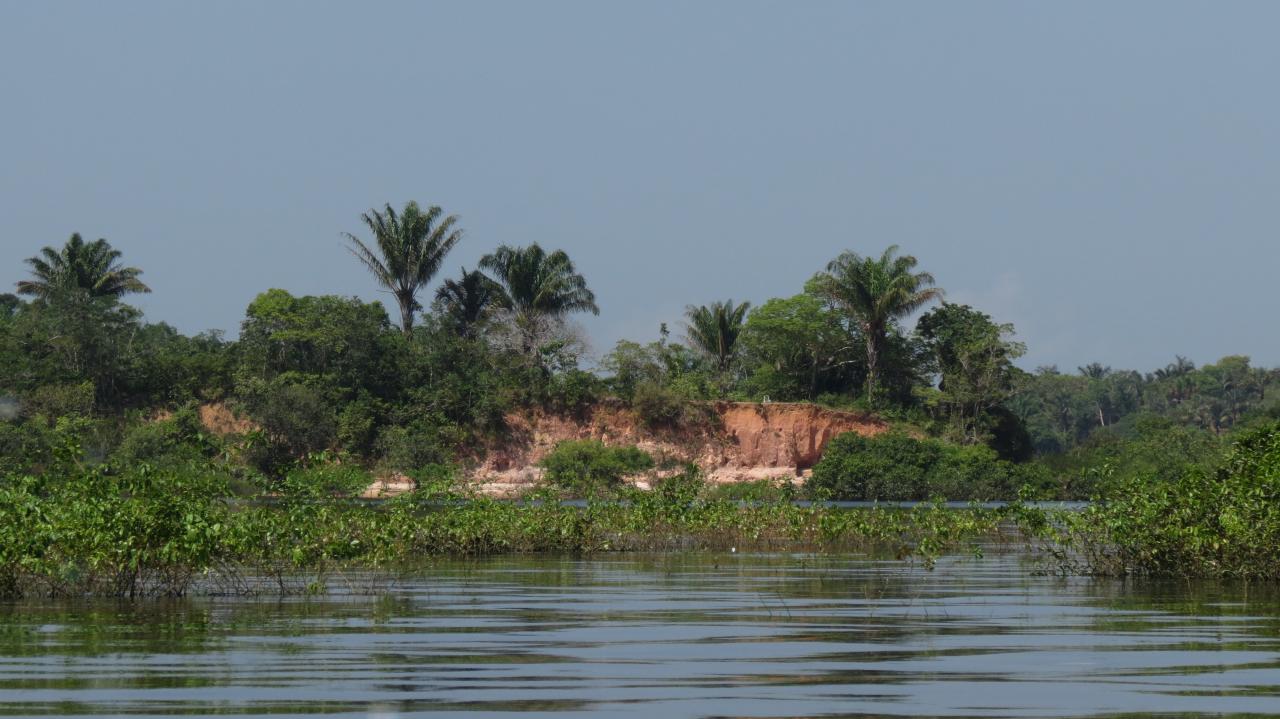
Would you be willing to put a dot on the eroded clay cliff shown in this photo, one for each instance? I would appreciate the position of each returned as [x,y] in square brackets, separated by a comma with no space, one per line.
[738,441]
[741,441]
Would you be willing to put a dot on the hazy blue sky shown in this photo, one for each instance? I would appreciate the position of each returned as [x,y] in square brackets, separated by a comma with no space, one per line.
[1104,175]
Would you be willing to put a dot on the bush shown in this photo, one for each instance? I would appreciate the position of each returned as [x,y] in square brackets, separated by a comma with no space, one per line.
[779,489]
[296,420]
[574,391]
[418,444]
[59,400]
[180,436]
[681,490]
[589,468]
[658,406]
[332,479]
[1203,523]
[357,426]
[897,467]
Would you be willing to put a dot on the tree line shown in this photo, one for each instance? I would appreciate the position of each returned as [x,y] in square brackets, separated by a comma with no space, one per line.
[332,375]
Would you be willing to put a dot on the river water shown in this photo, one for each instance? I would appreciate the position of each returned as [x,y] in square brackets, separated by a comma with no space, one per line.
[671,636]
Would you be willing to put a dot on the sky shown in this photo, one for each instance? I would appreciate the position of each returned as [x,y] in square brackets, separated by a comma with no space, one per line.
[1105,176]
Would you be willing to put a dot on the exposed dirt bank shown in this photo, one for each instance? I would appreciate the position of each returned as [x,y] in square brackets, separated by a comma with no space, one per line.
[741,441]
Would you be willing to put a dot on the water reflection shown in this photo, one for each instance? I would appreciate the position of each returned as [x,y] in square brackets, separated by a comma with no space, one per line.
[722,635]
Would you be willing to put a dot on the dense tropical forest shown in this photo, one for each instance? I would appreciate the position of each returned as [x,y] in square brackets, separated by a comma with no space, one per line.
[328,377]
[100,406]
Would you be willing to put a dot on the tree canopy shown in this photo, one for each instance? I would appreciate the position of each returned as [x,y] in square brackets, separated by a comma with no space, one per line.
[408,249]
[93,267]
[875,292]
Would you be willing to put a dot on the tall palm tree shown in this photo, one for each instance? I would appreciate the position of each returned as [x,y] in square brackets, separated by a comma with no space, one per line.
[410,249]
[714,329]
[537,287]
[90,266]
[874,292]
[468,301]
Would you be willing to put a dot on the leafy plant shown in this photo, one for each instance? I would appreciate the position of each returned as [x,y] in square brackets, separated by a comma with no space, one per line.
[590,468]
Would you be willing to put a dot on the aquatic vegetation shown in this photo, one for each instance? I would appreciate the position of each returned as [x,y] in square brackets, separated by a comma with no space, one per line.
[1222,522]
[168,530]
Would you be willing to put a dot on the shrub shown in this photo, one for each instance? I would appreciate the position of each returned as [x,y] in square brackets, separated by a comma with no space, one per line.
[59,400]
[357,426]
[180,436]
[897,467]
[1203,523]
[417,444]
[296,420]
[658,406]
[574,391]
[891,467]
[436,480]
[778,489]
[330,479]
[589,468]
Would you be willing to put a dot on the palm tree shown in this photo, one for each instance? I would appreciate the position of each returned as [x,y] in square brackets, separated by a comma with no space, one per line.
[468,301]
[411,247]
[874,292]
[93,267]
[713,330]
[537,287]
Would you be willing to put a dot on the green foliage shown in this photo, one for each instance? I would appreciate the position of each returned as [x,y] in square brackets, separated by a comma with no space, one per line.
[419,443]
[1199,523]
[71,337]
[537,290]
[672,367]
[590,468]
[713,330]
[180,437]
[144,529]
[974,362]
[144,532]
[92,268]
[326,479]
[1062,411]
[779,489]
[296,420]
[52,401]
[573,392]
[457,389]
[336,343]
[897,467]
[357,425]
[43,450]
[173,369]
[658,406]
[410,248]
[797,348]
[467,304]
[874,293]
[1142,445]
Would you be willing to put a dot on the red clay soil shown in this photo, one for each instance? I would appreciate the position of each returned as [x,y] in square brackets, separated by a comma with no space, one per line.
[743,441]
[740,441]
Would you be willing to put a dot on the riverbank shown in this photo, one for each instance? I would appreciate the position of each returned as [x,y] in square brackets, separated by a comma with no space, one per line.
[159,532]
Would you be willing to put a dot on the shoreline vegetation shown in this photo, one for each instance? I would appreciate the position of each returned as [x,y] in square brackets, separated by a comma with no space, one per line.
[112,482]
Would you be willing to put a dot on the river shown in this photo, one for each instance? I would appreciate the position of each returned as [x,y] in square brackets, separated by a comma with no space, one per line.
[685,635]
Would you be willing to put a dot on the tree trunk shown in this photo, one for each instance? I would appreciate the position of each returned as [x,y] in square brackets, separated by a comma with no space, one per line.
[813,375]
[873,356]
[406,314]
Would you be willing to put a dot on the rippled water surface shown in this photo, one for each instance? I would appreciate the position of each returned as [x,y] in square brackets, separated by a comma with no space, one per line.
[702,635]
